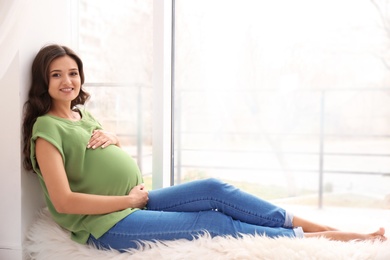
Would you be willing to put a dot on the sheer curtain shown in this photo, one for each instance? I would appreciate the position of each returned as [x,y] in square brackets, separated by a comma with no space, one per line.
[10,12]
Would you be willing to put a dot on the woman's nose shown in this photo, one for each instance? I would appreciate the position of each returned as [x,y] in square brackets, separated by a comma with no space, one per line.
[66,80]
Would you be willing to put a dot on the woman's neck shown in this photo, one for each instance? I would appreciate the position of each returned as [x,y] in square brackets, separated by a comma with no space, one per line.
[65,112]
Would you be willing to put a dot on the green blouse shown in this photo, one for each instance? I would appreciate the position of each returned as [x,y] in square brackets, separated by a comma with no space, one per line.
[108,171]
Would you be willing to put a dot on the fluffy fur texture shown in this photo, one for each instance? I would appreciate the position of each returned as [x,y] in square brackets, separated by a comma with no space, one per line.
[46,240]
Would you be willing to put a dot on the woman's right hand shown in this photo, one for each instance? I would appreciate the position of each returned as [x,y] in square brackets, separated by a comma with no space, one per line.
[138,196]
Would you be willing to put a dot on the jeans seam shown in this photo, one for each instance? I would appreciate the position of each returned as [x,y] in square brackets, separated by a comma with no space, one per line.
[226,204]
[124,234]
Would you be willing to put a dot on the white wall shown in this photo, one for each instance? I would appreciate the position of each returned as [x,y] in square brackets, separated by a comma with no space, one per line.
[25,26]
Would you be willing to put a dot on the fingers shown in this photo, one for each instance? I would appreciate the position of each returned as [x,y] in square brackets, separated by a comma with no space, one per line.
[143,189]
[140,196]
[101,139]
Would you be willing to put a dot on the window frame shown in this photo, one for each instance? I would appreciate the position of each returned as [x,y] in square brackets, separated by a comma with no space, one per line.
[163,33]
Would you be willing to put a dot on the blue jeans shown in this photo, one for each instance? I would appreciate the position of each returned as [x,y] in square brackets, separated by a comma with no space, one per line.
[189,209]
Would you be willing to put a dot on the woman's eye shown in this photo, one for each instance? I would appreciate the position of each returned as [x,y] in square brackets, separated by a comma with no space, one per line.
[55,75]
[74,73]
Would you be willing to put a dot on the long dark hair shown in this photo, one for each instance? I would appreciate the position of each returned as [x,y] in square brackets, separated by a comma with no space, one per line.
[39,101]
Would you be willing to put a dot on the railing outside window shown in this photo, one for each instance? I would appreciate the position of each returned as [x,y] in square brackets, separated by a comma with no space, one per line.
[322,151]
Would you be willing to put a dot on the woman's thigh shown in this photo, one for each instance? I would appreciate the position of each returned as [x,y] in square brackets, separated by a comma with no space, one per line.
[147,225]
[213,194]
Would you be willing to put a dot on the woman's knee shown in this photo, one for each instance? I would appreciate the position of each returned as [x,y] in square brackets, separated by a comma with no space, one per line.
[213,183]
[216,187]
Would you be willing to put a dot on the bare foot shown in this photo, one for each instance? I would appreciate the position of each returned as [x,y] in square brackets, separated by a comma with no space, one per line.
[349,236]
[378,235]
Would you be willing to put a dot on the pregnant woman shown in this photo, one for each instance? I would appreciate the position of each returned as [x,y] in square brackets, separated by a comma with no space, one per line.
[95,190]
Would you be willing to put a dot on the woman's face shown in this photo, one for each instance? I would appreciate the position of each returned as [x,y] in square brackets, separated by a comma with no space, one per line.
[64,79]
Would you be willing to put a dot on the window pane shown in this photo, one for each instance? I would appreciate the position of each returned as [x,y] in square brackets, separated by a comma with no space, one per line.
[115,43]
[289,103]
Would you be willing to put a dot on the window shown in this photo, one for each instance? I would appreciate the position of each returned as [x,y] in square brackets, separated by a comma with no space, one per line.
[116,45]
[286,99]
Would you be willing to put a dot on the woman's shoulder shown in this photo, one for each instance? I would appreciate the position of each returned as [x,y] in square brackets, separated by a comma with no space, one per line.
[81,110]
[45,121]
[46,124]
[87,116]
[84,112]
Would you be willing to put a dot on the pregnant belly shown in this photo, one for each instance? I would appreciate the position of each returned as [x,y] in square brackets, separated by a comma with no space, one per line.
[109,171]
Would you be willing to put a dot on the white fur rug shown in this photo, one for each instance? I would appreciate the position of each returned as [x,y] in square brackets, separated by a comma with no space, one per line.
[46,240]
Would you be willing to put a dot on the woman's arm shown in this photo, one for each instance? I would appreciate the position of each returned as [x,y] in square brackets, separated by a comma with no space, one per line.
[69,202]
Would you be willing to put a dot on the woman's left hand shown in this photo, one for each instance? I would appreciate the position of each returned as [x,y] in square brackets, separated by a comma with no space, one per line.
[101,138]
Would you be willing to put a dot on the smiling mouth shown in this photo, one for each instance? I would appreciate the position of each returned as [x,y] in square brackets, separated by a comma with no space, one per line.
[66,89]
